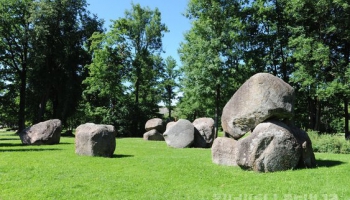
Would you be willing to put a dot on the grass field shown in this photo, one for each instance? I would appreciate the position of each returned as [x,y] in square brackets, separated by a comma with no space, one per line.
[151,170]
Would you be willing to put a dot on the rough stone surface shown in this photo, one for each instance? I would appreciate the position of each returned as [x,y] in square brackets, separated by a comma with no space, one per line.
[224,151]
[204,132]
[270,147]
[155,123]
[261,97]
[154,135]
[307,158]
[47,132]
[180,135]
[95,140]
[169,124]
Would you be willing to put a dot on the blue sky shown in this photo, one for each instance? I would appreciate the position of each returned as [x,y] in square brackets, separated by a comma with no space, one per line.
[171,11]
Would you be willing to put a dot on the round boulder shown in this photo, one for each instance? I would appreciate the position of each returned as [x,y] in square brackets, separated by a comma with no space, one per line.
[95,140]
[204,132]
[261,97]
[47,132]
[180,135]
[270,147]
[224,151]
[155,123]
[153,135]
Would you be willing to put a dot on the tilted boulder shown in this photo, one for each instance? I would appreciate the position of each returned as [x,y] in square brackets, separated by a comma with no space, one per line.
[271,147]
[180,135]
[95,140]
[261,97]
[224,151]
[155,123]
[204,132]
[47,132]
[154,135]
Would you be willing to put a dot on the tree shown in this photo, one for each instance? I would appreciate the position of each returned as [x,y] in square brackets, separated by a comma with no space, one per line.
[15,49]
[210,55]
[169,83]
[127,59]
[62,28]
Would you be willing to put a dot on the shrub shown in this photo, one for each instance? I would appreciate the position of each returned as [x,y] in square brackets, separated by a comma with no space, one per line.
[329,143]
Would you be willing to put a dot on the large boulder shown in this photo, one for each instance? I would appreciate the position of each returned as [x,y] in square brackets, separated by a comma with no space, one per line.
[224,151]
[95,140]
[261,97]
[307,158]
[170,124]
[47,132]
[155,123]
[154,135]
[180,135]
[271,147]
[204,132]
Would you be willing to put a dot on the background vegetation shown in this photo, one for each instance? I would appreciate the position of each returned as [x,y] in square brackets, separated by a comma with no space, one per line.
[150,170]
[56,61]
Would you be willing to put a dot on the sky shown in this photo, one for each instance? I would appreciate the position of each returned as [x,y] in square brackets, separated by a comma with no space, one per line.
[171,11]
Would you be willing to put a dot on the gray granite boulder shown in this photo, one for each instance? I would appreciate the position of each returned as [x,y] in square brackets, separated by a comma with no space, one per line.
[155,123]
[47,132]
[224,151]
[271,147]
[307,158]
[204,132]
[95,140]
[180,135]
[261,97]
[169,124]
[153,135]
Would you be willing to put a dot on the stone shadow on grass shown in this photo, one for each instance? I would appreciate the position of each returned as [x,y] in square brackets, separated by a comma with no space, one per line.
[122,156]
[9,139]
[28,150]
[329,163]
[11,145]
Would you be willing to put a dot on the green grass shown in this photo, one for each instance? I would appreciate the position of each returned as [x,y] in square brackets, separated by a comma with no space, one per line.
[151,170]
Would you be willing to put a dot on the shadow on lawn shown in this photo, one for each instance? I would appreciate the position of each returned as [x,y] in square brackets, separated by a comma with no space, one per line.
[9,139]
[329,163]
[27,150]
[122,156]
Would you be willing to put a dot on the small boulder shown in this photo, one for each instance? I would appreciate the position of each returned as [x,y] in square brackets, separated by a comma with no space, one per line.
[204,132]
[224,151]
[270,147]
[95,140]
[180,135]
[47,132]
[155,123]
[154,135]
[261,97]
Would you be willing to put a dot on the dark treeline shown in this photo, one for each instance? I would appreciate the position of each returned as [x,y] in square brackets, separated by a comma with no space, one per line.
[56,61]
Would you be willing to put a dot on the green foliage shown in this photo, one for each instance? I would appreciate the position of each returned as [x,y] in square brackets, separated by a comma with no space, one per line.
[326,143]
[138,167]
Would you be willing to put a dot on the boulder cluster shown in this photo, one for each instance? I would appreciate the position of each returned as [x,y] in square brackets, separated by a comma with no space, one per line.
[90,139]
[262,110]
[182,133]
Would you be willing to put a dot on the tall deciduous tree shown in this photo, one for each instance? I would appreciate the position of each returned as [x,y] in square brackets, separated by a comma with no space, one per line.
[170,78]
[131,47]
[15,48]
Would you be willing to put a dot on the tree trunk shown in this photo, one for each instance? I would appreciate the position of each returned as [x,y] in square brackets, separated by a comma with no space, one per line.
[22,98]
[312,113]
[346,117]
[318,115]
[217,110]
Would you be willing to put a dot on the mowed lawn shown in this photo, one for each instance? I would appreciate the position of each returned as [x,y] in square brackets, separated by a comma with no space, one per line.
[151,170]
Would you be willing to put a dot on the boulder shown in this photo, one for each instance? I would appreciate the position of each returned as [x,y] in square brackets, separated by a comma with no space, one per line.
[154,135]
[261,97]
[169,124]
[271,147]
[204,132]
[95,140]
[155,123]
[47,132]
[307,158]
[224,151]
[180,135]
